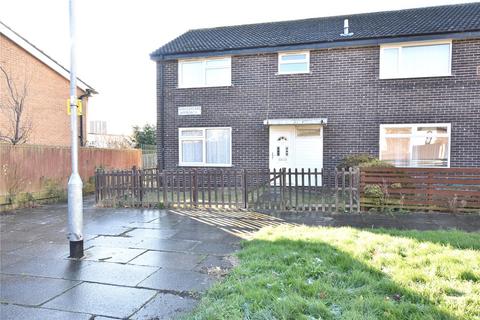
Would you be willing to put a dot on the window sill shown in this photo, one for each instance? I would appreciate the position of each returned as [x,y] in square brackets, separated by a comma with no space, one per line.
[218,86]
[205,166]
[415,77]
[291,73]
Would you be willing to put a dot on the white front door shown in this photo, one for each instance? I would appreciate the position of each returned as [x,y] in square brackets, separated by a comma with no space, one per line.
[281,138]
[296,147]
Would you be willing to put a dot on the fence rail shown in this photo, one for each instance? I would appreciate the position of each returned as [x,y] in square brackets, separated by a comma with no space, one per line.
[436,189]
[299,189]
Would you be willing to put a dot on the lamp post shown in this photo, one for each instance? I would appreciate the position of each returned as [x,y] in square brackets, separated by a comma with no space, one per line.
[75,205]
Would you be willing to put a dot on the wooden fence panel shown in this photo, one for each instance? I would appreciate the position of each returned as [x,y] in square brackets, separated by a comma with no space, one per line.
[433,189]
[31,165]
[297,190]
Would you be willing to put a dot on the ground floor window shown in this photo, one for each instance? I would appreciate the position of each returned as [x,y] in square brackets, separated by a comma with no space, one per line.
[415,145]
[205,147]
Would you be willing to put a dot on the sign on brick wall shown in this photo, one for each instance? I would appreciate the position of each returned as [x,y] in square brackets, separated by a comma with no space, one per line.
[189,111]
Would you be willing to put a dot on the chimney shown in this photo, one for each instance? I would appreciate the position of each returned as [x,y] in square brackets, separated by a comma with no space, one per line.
[346,32]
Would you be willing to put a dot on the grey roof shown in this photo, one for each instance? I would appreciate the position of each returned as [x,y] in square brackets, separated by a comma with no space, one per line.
[376,25]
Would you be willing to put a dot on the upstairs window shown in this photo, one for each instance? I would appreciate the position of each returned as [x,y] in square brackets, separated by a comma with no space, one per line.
[213,72]
[415,60]
[294,62]
[415,145]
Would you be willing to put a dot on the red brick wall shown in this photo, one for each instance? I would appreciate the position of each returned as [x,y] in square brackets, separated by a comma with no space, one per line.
[46,99]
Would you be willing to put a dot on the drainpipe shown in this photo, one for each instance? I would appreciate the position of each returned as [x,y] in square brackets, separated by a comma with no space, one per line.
[161,112]
[88,93]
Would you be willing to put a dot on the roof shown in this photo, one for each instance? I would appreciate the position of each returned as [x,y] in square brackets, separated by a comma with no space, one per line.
[40,55]
[448,19]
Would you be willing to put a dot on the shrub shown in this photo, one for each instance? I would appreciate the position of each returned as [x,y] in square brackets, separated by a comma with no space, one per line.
[362,160]
[89,186]
[52,189]
[374,195]
[23,199]
[375,163]
[355,160]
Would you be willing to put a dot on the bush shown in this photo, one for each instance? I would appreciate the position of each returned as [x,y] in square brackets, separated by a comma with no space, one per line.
[52,189]
[89,186]
[362,160]
[23,199]
[375,163]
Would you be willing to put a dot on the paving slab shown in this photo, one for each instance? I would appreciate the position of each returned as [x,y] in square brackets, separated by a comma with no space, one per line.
[109,254]
[44,250]
[101,299]
[109,241]
[114,273]
[152,233]
[177,260]
[60,269]
[165,244]
[214,261]
[13,312]
[220,248]
[32,291]
[178,280]
[165,306]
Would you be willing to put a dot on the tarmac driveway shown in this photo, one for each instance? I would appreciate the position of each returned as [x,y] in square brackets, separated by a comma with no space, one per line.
[139,264]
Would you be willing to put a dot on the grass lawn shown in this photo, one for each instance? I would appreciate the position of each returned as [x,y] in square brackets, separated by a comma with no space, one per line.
[344,273]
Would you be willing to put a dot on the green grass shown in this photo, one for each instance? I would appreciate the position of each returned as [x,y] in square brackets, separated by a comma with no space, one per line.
[344,273]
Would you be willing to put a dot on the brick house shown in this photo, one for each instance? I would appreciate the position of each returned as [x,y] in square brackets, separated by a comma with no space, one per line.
[401,85]
[47,85]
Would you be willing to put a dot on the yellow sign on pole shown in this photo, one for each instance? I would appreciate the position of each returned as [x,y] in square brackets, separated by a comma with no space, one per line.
[79,107]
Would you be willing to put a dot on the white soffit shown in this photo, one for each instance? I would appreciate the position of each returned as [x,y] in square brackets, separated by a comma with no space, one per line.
[295,121]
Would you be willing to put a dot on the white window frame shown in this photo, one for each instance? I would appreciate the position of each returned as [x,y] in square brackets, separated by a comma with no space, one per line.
[204,68]
[204,147]
[405,135]
[399,46]
[280,62]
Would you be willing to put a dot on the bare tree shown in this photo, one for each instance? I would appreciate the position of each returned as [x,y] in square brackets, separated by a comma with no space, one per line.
[18,127]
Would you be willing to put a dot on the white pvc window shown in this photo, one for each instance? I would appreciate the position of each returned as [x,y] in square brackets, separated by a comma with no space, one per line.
[413,60]
[205,147]
[294,62]
[204,73]
[415,145]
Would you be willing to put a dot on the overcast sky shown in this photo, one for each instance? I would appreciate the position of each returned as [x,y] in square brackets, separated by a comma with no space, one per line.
[115,38]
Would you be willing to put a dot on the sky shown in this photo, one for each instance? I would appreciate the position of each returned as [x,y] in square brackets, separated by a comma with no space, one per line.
[115,38]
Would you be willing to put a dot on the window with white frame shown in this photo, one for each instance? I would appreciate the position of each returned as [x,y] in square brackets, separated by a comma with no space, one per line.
[415,145]
[204,72]
[294,62]
[411,60]
[205,147]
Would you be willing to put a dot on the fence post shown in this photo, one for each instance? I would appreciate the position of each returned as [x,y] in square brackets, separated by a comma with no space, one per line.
[97,195]
[134,184]
[350,182]
[336,190]
[357,184]
[245,189]
[194,188]
[140,184]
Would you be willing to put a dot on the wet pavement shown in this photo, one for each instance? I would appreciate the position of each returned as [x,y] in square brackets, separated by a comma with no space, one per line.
[142,263]
[139,264]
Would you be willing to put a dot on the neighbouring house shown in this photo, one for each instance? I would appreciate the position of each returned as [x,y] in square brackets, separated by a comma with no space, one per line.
[44,85]
[99,137]
[401,85]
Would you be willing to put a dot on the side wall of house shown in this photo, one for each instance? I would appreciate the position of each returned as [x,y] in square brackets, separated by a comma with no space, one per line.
[46,98]
[343,86]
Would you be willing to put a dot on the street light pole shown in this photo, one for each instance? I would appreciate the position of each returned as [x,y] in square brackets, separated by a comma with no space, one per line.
[75,205]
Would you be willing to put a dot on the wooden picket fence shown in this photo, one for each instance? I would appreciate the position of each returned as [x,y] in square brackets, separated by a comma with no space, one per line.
[299,189]
[425,189]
